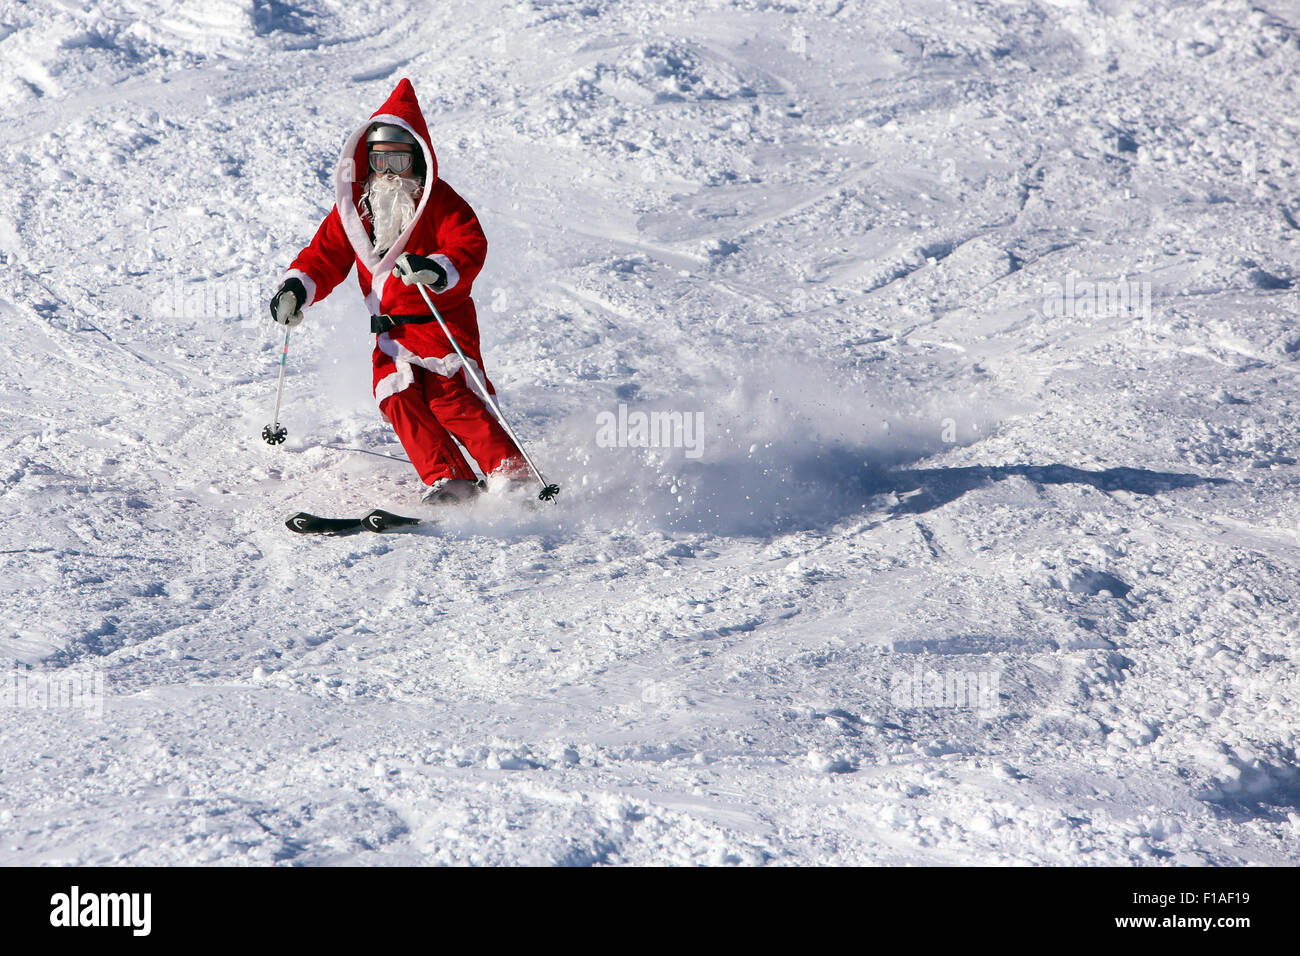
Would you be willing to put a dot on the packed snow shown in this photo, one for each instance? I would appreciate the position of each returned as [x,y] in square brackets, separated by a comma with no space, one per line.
[977,542]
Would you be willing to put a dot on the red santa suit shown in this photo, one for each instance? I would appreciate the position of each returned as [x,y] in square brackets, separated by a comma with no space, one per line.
[418,379]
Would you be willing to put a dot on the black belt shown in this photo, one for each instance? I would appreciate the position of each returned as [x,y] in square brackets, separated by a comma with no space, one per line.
[383,323]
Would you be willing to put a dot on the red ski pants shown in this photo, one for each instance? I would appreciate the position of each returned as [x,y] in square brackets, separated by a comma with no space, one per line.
[432,409]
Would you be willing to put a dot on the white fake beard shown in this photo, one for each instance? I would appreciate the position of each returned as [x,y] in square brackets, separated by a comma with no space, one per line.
[392,207]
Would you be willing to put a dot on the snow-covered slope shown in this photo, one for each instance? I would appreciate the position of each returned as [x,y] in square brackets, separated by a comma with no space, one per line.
[969,563]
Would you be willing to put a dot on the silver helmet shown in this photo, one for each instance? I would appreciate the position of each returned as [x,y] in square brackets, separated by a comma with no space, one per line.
[387,133]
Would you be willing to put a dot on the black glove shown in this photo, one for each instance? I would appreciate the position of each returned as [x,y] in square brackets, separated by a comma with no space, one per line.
[411,268]
[287,303]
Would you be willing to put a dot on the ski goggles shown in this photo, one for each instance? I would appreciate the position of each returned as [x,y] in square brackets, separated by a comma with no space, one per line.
[390,160]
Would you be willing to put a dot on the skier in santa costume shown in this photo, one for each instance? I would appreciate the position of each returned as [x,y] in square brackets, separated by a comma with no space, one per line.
[402,225]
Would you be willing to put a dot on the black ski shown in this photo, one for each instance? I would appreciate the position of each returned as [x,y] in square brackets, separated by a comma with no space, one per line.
[305,523]
[377,521]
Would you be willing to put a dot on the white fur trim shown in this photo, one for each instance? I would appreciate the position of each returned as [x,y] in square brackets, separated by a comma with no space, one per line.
[452,275]
[447,366]
[394,382]
[307,281]
[346,174]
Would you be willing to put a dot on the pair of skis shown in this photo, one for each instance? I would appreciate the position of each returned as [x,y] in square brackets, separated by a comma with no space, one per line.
[378,521]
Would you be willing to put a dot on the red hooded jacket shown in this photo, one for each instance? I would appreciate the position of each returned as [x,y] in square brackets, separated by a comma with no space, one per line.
[445,229]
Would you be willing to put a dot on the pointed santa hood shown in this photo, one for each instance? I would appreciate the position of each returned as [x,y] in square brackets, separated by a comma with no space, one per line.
[400,109]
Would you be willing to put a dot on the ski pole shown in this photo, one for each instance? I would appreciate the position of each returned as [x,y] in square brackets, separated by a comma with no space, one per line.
[549,491]
[275,433]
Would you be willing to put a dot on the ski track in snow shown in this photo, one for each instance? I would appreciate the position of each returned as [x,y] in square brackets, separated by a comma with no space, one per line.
[828,228]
